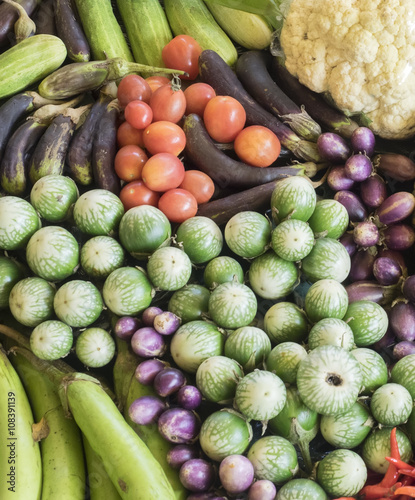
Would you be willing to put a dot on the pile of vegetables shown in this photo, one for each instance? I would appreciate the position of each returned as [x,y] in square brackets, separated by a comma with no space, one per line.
[206,271]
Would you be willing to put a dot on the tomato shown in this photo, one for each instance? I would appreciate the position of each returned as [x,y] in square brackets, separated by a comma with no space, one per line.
[168,103]
[126,134]
[129,162]
[199,184]
[257,145]
[163,171]
[224,118]
[182,53]
[197,96]
[157,81]
[133,87]
[136,193]
[178,205]
[138,114]
[164,137]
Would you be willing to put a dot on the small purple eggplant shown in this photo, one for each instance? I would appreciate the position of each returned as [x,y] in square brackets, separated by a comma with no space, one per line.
[147,343]
[353,204]
[366,234]
[396,208]
[386,271]
[337,179]
[147,370]
[146,410]
[168,381]
[373,191]
[179,426]
[149,314]
[189,397]
[361,266]
[358,167]
[180,454]
[363,141]
[126,326]
[166,323]
[402,320]
[197,475]
[333,148]
[398,236]
[408,288]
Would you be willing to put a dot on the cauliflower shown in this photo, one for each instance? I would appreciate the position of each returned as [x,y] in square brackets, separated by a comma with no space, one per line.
[362,52]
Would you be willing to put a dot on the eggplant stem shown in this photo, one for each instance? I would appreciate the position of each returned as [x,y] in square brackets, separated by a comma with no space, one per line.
[305,453]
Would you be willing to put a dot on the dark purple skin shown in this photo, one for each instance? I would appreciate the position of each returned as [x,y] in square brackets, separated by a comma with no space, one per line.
[398,236]
[179,426]
[408,288]
[386,271]
[402,320]
[180,454]
[147,370]
[126,326]
[353,204]
[396,166]
[370,290]
[396,208]
[262,490]
[147,343]
[349,244]
[9,15]
[168,381]
[358,167]
[373,191]
[236,474]
[388,340]
[189,397]
[337,179]
[394,255]
[363,141]
[366,234]
[149,314]
[166,323]
[70,31]
[361,267]
[333,148]
[403,348]
[146,410]
[197,475]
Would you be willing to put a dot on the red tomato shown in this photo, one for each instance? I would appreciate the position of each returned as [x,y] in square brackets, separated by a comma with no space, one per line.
[164,137]
[178,205]
[157,81]
[182,53]
[168,103]
[136,193]
[199,184]
[257,145]
[129,162]
[224,118]
[138,114]
[133,87]
[126,134]
[197,96]
[163,171]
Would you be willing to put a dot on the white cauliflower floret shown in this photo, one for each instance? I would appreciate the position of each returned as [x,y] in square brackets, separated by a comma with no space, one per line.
[362,52]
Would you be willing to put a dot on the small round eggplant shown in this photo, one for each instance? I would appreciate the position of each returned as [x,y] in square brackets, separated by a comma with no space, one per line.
[337,179]
[408,288]
[148,343]
[366,234]
[353,204]
[147,370]
[386,271]
[236,473]
[403,348]
[178,455]
[149,314]
[263,489]
[361,267]
[197,475]
[396,256]
[349,244]
[358,167]
[398,236]
[402,320]
[126,326]
[189,397]
[146,410]
[332,147]
[166,323]
[373,191]
[363,141]
[168,381]
[179,426]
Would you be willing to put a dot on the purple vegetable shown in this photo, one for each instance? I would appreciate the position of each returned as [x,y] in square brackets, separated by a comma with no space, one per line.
[349,244]
[361,266]
[397,166]
[386,271]
[126,326]
[197,475]
[146,410]
[204,496]
[147,343]
[149,314]
[408,288]
[386,341]
[403,348]
[394,255]
[358,167]
[396,208]
[147,370]
[180,454]
[332,147]
[189,397]
[366,234]
[236,473]
[179,426]
[337,179]
[166,323]
[371,290]
[373,191]
[262,490]
[402,320]
[353,204]
[168,381]
[363,141]
[398,236]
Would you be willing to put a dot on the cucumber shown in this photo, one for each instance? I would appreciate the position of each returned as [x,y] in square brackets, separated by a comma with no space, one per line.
[19,67]
[147,28]
[192,17]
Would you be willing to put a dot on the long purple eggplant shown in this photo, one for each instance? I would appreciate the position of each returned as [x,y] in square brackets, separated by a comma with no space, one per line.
[70,31]
[372,290]
[44,18]
[9,15]
[396,166]
[214,71]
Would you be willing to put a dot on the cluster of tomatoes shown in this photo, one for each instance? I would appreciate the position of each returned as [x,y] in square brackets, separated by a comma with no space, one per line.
[151,139]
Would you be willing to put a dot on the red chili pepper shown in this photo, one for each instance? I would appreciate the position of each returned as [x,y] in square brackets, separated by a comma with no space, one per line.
[400,464]
[345,498]
[407,472]
[407,480]
[392,474]
[374,491]
[406,490]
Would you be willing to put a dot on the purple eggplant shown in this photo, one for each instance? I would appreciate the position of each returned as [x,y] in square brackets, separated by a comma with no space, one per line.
[398,236]
[147,370]
[263,489]
[166,323]
[396,208]
[396,256]
[363,141]
[179,426]
[408,288]
[332,147]
[349,244]
[197,475]
[147,343]
[396,166]
[126,326]
[386,271]
[168,381]
[366,234]
[146,410]
[236,473]
[371,290]
[358,167]
[189,397]
[205,496]
[387,341]
[402,320]
[373,191]
[181,453]
[361,267]
[403,348]
[337,179]
[353,204]
[149,314]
